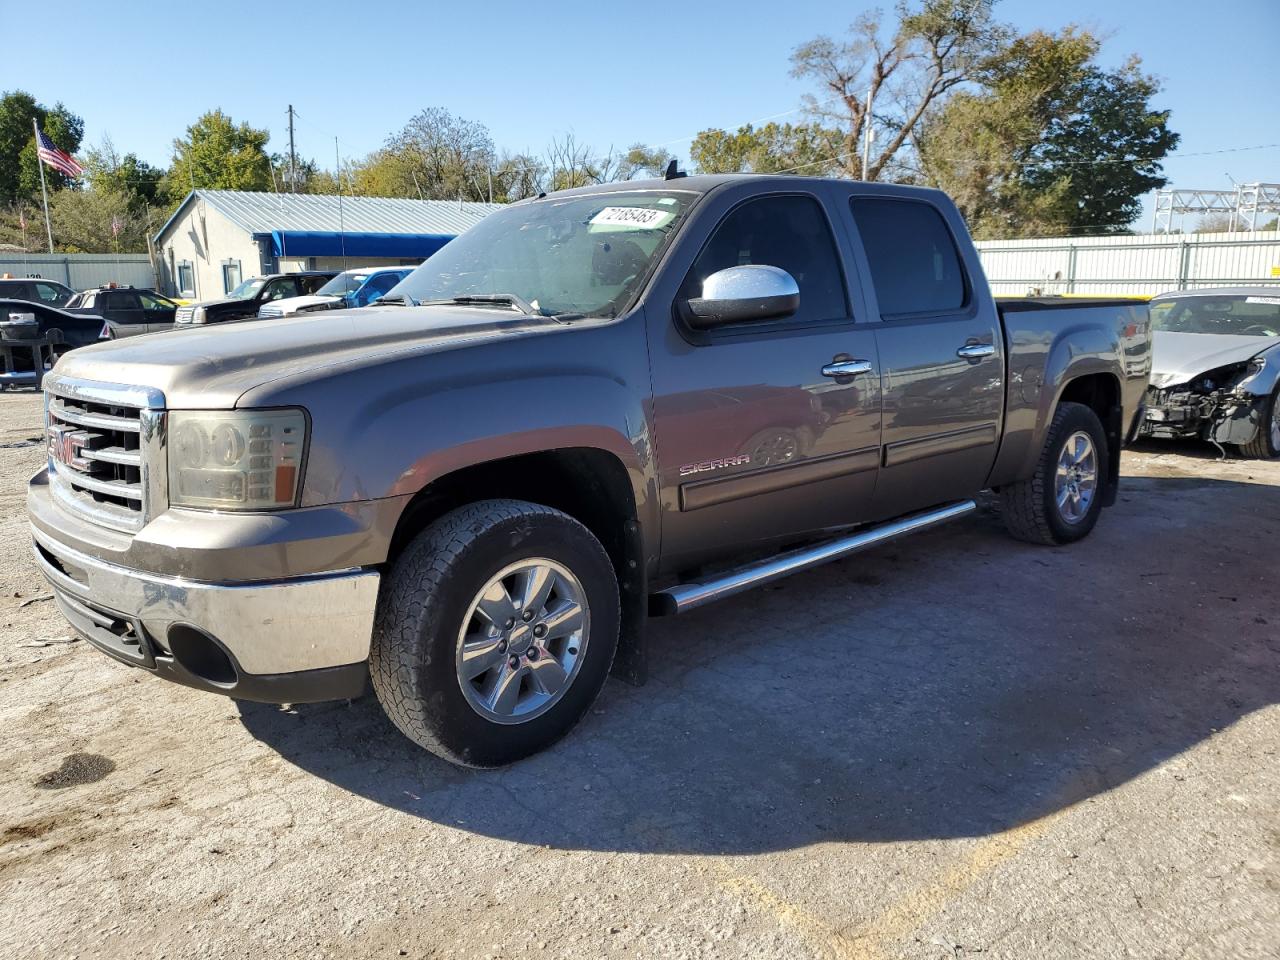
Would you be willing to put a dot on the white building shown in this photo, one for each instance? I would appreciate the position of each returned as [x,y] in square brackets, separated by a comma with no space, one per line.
[216,238]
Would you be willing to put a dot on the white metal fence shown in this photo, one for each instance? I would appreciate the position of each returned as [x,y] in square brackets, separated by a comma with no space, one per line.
[1131,265]
[81,270]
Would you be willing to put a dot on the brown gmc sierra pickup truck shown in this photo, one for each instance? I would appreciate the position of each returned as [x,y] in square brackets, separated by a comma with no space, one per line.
[593,407]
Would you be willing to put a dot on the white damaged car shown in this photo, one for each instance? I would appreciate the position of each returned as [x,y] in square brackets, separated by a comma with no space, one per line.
[1215,372]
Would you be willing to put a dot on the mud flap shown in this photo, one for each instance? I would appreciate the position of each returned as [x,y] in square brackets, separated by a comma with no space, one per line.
[1113,427]
[631,662]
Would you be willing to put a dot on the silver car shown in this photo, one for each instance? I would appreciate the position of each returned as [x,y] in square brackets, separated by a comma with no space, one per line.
[1216,368]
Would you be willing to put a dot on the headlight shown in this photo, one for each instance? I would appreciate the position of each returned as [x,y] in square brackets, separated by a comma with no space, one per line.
[236,460]
[197,315]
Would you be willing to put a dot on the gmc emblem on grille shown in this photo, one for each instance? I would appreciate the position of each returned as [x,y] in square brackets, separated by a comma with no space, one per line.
[65,444]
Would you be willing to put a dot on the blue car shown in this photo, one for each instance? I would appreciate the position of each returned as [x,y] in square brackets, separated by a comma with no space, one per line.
[351,288]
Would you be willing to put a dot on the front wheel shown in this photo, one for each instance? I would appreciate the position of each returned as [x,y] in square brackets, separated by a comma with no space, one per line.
[495,632]
[1266,443]
[1061,501]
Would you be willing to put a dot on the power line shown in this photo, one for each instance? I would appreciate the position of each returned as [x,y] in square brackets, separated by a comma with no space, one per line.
[1055,163]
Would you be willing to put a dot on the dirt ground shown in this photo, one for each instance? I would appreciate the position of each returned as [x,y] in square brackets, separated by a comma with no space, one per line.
[955,746]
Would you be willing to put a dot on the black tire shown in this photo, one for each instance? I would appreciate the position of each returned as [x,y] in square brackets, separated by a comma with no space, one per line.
[423,602]
[1030,507]
[1263,445]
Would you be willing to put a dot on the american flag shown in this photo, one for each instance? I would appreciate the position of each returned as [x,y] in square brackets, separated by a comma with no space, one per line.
[60,161]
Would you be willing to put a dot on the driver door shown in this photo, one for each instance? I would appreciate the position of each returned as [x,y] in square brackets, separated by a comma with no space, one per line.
[757,440]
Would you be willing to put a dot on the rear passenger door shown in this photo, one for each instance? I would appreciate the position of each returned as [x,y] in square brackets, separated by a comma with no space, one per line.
[122,306]
[941,356]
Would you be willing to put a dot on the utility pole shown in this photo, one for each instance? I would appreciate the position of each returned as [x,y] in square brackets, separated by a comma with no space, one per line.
[342,232]
[293,157]
[867,134]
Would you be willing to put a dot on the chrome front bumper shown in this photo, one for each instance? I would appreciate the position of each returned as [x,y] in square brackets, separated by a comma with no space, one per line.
[314,629]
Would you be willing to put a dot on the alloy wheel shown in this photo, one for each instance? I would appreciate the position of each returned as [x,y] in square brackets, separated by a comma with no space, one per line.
[522,641]
[1076,479]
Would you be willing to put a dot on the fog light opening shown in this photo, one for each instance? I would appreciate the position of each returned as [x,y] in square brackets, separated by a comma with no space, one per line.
[199,654]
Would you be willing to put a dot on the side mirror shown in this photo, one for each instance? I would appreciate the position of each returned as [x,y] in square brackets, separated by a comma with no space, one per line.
[743,294]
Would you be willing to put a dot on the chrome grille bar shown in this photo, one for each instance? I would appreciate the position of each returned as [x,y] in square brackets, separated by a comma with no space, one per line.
[101,439]
[78,415]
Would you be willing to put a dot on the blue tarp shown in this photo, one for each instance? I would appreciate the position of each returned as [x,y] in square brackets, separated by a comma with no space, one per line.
[315,243]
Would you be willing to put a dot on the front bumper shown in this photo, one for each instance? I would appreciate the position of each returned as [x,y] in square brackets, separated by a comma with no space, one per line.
[295,640]
[1222,417]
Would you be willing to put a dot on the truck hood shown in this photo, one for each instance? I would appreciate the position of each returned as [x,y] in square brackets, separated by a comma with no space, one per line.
[1179,357]
[293,304]
[212,367]
[219,302]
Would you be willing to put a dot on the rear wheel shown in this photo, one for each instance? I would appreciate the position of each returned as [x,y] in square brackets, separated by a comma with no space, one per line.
[1266,443]
[495,632]
[1061,501]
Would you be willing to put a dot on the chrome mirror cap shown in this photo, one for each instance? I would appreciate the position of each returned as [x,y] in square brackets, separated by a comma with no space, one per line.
[746,293]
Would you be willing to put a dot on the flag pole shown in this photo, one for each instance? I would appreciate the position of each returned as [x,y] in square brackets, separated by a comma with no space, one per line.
[44,191]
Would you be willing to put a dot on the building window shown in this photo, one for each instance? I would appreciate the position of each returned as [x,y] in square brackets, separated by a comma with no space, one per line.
[186,279]
[230,275]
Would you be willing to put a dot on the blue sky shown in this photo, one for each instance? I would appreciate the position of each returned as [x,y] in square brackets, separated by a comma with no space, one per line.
[610,73]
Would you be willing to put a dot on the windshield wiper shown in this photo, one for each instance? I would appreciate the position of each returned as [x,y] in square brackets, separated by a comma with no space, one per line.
[401,298]
[488,299]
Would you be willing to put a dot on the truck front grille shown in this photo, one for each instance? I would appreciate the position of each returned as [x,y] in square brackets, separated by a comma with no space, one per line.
[184,314]
[97,436]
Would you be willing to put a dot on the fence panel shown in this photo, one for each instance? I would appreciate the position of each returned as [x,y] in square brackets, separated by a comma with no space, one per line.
[81,270]
[1131,264]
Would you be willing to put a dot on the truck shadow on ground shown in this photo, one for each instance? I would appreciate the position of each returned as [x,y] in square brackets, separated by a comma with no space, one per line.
[955,684]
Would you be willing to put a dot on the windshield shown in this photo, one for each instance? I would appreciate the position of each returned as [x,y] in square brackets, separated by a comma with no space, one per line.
[247,289]
[583,255]
[1247,316]
[343,283]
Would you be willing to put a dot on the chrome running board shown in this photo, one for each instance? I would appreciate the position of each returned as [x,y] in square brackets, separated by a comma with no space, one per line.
[688,596]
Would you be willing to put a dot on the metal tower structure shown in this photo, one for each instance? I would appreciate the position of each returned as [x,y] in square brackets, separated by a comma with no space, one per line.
[1242,205]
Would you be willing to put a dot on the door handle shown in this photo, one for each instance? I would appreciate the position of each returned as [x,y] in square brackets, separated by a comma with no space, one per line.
[975,351]
[846,368]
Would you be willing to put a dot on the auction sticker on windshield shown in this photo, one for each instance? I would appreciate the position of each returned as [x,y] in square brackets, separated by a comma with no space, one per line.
[1271,300]
[637,218]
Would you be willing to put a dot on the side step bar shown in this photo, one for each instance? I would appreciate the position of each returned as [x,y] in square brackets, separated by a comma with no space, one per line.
[689,596]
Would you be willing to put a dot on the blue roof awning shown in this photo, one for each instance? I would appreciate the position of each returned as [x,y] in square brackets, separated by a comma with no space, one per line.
[312,243]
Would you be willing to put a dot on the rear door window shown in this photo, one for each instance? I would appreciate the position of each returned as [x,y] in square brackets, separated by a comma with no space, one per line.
[915,266]
[48,293]
[123,306]
[377,286]
[281,289]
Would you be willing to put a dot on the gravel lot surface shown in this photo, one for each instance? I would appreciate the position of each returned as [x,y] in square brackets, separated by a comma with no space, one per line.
[954,746]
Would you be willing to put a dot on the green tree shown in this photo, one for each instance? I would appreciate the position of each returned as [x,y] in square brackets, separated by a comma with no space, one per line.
[1050,143]
[809,149]
[107,171]
[19,165]
[83,221]
[217,153]
[437,156]
[641,161]
[1103,153]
